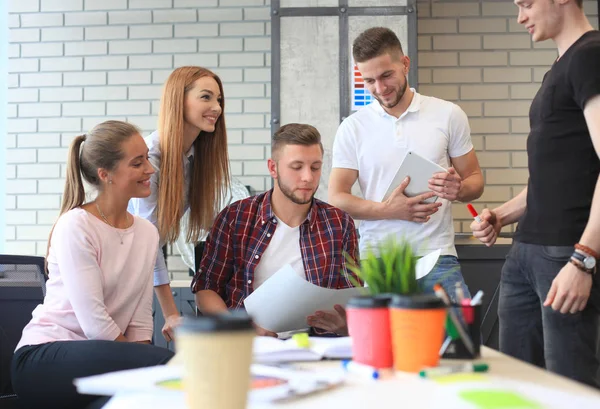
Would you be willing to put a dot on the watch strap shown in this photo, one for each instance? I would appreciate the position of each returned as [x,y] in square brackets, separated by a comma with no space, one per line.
[577,255]
[580,265]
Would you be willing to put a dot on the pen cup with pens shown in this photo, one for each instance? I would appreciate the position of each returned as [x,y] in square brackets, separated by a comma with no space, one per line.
[454,346]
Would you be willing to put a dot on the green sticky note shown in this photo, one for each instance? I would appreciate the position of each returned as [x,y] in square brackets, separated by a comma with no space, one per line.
[498,399]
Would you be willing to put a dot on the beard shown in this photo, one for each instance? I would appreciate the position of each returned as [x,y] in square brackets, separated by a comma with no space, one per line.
[396,100]
[287,192]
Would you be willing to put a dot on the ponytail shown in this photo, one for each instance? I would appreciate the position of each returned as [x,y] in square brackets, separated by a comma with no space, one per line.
[74,192]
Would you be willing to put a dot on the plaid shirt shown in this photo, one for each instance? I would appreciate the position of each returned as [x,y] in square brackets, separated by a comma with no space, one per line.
[242,232]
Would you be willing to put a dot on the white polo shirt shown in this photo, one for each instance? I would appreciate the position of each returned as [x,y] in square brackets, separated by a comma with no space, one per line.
[374,143]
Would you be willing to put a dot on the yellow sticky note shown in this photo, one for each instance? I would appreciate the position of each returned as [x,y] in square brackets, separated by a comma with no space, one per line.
[460,377]
[302,340]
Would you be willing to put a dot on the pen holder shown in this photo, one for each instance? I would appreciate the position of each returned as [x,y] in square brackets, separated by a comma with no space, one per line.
[470,317]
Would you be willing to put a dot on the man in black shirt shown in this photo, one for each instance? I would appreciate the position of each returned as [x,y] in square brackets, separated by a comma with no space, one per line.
[550,293]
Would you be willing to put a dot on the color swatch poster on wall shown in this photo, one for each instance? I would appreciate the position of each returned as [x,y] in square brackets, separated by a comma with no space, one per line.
[360,95]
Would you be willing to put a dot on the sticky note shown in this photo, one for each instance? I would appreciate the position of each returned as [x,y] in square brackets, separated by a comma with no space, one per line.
[302,340]
[498,399]
[459,377]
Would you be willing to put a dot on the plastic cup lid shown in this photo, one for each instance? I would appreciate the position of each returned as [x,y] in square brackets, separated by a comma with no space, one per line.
[417,302]
[370,301]
[231,321]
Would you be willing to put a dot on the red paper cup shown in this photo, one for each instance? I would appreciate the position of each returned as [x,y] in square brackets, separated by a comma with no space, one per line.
[368,320]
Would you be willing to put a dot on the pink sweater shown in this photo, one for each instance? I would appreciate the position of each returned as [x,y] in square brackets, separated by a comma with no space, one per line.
[97,287]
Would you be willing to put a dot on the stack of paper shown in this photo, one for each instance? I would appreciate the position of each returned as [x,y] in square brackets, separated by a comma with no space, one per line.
[268,349]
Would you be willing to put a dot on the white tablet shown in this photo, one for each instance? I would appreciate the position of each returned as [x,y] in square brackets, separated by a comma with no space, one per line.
[420,171]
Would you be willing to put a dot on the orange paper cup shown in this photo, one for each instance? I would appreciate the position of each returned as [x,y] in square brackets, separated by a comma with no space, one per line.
[417,327]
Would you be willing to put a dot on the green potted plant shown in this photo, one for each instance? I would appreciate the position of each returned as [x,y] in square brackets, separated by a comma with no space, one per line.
[408,327]
[391,271]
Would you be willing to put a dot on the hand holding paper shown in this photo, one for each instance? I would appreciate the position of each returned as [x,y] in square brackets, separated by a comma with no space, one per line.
[284,301]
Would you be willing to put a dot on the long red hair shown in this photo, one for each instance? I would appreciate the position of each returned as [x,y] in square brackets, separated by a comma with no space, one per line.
[210,175]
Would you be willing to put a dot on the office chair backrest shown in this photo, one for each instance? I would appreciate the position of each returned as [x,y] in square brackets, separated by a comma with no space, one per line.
[22,288]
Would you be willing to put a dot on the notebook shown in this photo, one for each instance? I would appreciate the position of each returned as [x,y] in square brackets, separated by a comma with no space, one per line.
[420,171]
[270,350]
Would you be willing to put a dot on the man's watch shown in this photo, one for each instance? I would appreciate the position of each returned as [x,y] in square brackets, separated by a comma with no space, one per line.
[588,262]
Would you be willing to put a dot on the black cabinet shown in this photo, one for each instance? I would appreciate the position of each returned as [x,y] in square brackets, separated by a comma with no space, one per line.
[184,299]
[481,267]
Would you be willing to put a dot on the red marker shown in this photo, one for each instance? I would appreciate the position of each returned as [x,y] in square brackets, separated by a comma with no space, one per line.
[474,213]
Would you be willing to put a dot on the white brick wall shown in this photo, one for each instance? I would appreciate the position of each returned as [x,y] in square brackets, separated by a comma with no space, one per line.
[474,53]
[75,63]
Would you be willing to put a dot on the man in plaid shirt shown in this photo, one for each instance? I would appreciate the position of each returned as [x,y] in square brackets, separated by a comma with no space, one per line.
[253,238]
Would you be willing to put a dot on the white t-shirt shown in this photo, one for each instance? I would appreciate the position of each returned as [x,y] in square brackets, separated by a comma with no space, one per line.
[374,143]
[284,248]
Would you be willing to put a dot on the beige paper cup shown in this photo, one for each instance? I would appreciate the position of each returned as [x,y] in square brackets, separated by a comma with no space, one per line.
[217,354]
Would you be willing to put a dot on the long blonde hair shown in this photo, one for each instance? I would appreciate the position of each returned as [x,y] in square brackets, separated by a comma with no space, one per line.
[102,149]
[210,175]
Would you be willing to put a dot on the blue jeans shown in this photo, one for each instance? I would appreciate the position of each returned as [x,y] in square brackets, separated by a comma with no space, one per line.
[446,272]
[567,344]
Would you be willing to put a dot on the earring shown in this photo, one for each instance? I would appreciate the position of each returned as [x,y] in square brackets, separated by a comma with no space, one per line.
[110,181]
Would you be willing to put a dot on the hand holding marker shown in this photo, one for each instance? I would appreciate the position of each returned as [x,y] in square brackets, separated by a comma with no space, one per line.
[474,213]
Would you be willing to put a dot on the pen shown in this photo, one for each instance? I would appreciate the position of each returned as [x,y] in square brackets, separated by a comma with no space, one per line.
[360,369]
[477,298]
[474,213]
[460,295]
[446,370]
[439,291]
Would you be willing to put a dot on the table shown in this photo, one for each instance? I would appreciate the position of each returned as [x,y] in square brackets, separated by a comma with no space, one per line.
[404,390]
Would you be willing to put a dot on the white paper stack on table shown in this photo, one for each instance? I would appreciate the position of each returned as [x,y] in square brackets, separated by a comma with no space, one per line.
[271,350]
[164,384]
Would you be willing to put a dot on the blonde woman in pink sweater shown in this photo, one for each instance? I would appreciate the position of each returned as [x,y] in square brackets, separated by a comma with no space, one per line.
[97,313]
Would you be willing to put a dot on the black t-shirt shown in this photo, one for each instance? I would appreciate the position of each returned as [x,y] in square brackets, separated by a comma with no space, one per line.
[563,165]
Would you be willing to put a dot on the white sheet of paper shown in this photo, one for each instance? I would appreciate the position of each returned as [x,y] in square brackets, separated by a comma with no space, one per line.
[426,263]
[283,302]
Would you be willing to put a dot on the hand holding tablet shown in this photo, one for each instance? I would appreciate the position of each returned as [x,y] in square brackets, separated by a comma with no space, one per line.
[447,184]
[420,171]
[409,197]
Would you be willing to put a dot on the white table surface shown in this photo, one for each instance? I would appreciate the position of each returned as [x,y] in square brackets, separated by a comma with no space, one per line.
[407,390]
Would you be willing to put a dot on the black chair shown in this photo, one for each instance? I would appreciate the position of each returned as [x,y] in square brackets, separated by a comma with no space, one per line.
[22,288]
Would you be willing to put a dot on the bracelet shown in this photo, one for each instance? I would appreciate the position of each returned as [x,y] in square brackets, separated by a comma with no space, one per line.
[587,251]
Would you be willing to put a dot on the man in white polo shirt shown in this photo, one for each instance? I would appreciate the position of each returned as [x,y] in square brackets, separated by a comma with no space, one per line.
[370,145]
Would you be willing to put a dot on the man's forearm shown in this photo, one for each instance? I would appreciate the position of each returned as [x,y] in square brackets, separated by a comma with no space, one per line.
[591,234]
[166,300]
[358,208]
[471,189]
[209,302]
[511,211]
